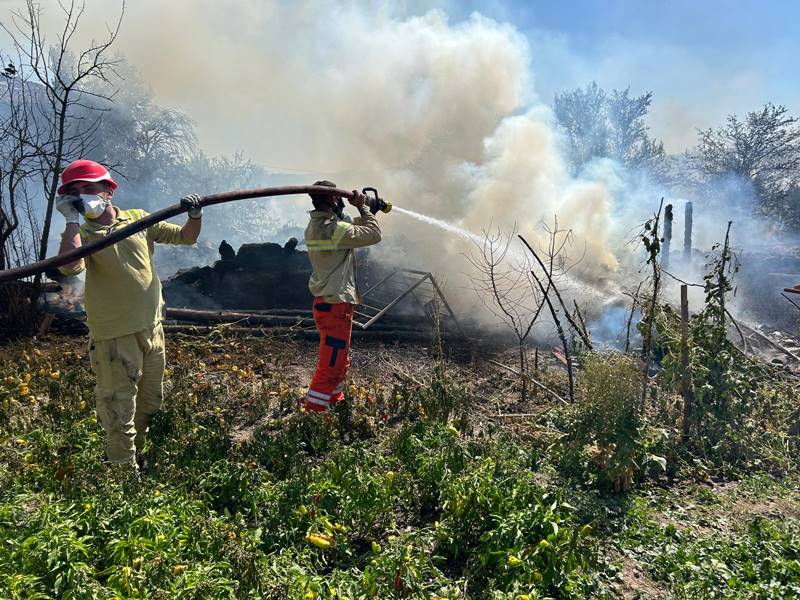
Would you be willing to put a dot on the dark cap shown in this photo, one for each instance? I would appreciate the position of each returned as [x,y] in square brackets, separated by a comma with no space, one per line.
[324,198]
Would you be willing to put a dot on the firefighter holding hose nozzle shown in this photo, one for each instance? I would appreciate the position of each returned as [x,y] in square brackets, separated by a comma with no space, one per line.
[331,239]
[123,304]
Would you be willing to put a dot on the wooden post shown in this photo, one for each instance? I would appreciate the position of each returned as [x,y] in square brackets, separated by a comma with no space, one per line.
[687,233]
[686,373]
[667,237]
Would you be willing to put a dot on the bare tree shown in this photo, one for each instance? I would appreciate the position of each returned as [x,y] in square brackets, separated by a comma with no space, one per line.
[555,253]
[559,328]
[634,296]
[62,79]
[503,286]
[554,268]
[19,225]
[19,142]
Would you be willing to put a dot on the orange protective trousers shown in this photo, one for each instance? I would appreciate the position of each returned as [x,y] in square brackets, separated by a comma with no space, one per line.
[335,324]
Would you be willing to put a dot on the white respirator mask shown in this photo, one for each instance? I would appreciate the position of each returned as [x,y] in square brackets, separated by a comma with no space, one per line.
[93,205]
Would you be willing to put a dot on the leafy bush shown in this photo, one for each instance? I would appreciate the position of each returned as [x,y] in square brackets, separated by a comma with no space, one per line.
[743,410]
[608,439]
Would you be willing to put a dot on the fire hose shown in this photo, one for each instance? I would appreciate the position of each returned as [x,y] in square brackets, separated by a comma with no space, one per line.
[373,201]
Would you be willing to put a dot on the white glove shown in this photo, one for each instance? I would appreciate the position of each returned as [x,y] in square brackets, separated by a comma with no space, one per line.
[65,204]
[193,206]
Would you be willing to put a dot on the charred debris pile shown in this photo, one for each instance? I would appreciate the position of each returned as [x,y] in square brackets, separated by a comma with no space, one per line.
[262,276]
[263,289]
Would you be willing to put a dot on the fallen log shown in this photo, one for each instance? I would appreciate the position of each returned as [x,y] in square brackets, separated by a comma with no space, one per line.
[310,326]
[226,316]
[257,318]
[300,312]
[292,312]
[298,333]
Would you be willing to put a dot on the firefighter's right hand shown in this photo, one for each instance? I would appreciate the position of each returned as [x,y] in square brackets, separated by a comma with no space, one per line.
[65,204]
[358,199]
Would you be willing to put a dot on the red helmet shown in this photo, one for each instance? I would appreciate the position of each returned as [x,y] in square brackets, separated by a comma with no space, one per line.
[85,170]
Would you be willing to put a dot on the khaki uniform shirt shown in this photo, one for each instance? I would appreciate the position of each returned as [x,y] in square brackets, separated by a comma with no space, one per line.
[331,242]
[123,292]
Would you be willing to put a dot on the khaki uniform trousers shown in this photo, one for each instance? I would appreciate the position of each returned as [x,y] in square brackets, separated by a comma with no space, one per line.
[129,390]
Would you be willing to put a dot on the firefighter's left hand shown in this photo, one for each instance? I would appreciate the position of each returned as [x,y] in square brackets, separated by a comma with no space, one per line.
[192,203]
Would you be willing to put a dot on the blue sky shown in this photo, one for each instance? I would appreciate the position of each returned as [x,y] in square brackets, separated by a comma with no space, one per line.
[702,59]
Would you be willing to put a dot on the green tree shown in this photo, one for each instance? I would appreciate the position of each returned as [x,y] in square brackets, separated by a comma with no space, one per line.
[603,125]
[763,152]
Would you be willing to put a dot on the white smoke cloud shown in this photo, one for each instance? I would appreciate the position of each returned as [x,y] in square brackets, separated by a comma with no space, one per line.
[324,86]
[524,180]
[440,116]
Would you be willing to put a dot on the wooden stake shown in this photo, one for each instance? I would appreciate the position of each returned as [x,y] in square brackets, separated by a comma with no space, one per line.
[667,237]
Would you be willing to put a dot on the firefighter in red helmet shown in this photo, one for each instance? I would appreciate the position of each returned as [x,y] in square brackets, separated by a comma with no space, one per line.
[122,295]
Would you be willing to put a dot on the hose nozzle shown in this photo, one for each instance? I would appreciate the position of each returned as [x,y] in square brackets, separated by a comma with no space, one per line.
[375,202]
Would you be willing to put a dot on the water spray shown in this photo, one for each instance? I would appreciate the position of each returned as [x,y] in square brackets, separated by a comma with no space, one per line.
[600,296]
[467,235]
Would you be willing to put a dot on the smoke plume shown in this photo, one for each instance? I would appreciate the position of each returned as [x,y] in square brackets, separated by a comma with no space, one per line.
[441,116]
